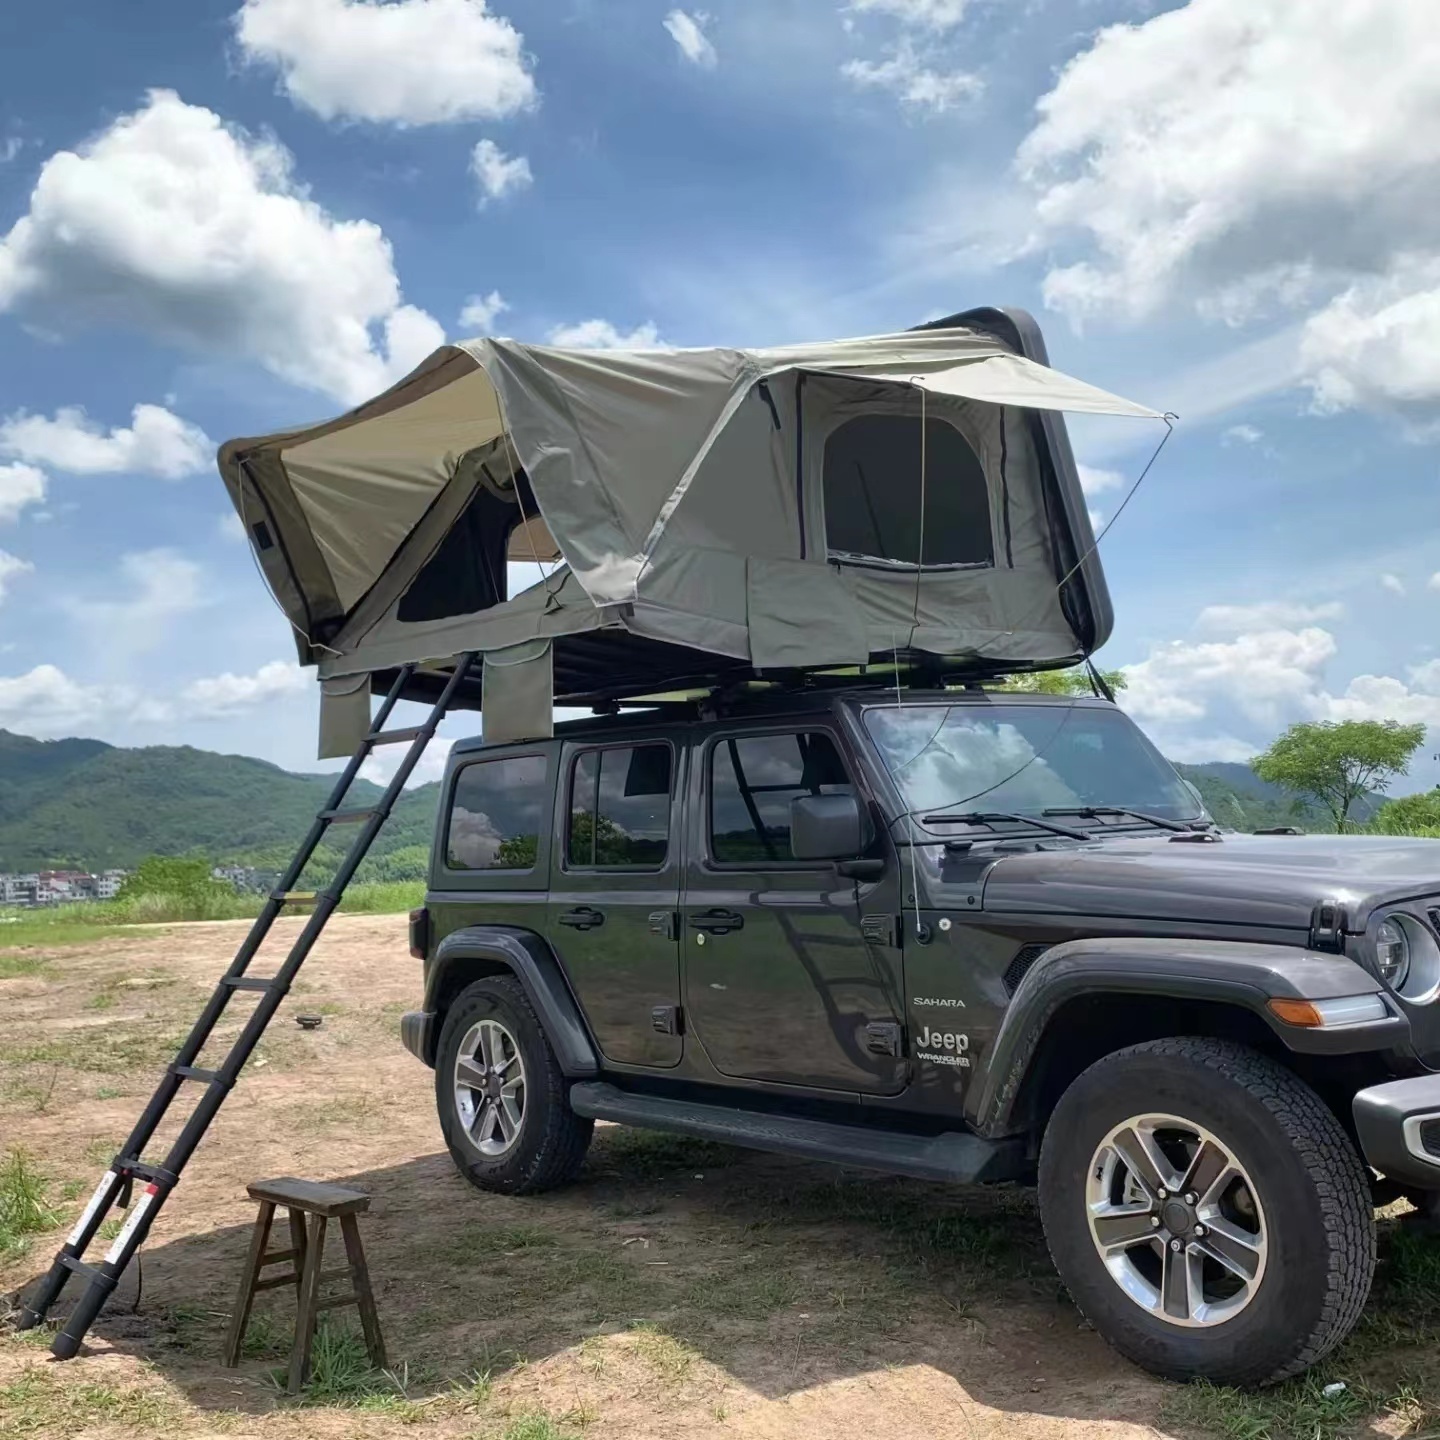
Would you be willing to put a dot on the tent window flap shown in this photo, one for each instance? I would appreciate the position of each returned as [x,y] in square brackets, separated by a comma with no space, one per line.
[872,481]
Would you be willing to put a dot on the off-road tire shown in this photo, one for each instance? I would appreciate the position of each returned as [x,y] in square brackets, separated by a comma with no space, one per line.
[552,1142]
[1312,1187]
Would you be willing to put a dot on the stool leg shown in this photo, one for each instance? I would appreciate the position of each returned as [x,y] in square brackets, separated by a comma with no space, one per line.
[297,1244]
[306,1312]
[360,1278]
[240,1317]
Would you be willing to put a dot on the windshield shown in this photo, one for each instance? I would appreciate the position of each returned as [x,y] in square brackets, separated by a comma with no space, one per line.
[1025,758]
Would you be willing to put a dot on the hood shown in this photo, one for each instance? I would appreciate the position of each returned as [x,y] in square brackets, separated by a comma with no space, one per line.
[1257,880]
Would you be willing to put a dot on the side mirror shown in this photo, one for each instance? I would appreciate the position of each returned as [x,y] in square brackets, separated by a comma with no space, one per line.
[826,827]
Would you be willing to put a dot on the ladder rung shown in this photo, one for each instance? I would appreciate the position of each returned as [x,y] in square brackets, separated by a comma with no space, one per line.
[396,737]
[351,1299]
[73,1262]
[297,897]
[274,1282]
[246,982]
[190,1072]
[143,1171]
[276,1257]
[346,817]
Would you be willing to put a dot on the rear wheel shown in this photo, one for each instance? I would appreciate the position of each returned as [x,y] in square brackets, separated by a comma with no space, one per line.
[1207,1212]
[503,1101]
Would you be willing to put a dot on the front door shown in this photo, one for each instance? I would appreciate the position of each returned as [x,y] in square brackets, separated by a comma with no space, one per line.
[615,894]
[780,984]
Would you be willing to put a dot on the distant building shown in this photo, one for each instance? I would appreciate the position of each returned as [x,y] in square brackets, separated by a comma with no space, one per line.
[60,887]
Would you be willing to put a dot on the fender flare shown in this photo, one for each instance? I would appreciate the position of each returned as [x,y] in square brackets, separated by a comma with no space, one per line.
[532,962]
[1242,974]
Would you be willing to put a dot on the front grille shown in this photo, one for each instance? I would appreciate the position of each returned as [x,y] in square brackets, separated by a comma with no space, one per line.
[1019,967]
[1430,1136]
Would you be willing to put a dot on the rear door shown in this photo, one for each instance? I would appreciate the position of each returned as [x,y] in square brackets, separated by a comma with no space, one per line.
[780,983]
[615,894]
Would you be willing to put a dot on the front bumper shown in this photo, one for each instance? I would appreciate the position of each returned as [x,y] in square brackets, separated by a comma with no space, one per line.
[1399,1128]
[417,1034]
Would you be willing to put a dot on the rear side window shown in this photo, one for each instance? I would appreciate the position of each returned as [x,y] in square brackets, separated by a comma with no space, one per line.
[495,815]
[872,494]
[620,808]
[753,779]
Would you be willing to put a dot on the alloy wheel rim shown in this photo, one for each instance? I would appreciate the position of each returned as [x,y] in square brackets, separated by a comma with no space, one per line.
[1176,1220]
[490,1088]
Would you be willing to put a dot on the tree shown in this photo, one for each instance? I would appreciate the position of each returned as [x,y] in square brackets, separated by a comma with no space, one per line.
[1075,681]
[1410,815]
[1337,763]
[168,875]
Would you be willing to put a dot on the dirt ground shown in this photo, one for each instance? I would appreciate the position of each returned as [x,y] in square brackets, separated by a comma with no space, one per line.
[679,1289]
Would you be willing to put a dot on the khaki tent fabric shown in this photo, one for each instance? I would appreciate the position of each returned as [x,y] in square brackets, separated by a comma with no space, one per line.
[685,492]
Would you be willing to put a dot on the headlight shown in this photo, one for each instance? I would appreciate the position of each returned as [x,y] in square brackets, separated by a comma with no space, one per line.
[1392,951]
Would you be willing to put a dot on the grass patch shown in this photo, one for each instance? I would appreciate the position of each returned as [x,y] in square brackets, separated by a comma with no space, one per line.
[12,967]
[24,1210]
[536,1425]
[39,1401]
[341,1375]
[653,1155]
[483,1242]
[1299,1410]
[670,1358]
[77,924]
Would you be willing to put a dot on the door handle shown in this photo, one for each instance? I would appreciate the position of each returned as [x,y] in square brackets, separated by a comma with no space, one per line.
[583,919]
[717,922]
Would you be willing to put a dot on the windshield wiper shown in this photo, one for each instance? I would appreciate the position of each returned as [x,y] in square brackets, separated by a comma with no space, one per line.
[988,817]
[1094,812]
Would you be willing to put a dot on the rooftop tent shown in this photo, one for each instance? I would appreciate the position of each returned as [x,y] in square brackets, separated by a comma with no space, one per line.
[709,513]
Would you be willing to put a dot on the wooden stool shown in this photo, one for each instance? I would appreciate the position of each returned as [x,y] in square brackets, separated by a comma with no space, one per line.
[322,1203]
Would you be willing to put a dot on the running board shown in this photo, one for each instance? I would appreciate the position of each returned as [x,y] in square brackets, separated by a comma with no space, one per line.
[960,1159]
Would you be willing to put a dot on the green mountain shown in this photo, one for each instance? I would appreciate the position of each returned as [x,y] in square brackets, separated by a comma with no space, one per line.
[1239,799]
[88,805]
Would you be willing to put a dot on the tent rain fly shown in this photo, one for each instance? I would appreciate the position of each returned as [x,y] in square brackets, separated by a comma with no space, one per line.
[709,512]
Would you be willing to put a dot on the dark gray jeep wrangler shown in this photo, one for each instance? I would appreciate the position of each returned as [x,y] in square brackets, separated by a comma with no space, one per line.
[958,935]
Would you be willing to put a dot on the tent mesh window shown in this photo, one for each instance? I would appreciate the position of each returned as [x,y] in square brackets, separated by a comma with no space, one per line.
[872,494]
[466,573]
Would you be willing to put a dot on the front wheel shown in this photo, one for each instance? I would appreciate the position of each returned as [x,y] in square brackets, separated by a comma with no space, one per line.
[1207,1212]
[503,1100]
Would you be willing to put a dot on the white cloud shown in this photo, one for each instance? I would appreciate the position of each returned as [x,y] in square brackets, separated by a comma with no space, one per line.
[227,694]
[231,526]
[1393,583]
[1202,153]
[1243,435]
[157,443]
[1261,673]
[923,14]
[11,568]
[20,485]
[10,147]
[1267,615]
[688,32]
[160,585]
[45,701]
[1094,481]
[1434,582]
[1377,344]
[407,62]
[499,174]
[602,335]
[171,223]
[480,313]
[1199,696]
[918,85]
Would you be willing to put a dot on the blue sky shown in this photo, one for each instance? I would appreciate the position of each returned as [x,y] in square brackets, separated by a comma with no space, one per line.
[242,215]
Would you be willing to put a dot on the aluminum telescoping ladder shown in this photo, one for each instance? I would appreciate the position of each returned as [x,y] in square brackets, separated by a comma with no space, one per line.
[158,1181]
